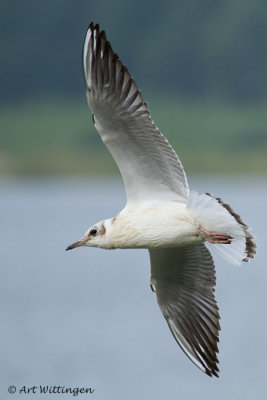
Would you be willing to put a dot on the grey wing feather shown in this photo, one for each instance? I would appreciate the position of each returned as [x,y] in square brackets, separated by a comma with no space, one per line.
[184,280]
[148,164]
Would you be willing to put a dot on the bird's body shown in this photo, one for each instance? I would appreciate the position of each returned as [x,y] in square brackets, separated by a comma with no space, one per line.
[161,213]
[153,224]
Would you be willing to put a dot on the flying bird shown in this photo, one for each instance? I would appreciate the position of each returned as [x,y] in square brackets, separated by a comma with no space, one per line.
[161,214]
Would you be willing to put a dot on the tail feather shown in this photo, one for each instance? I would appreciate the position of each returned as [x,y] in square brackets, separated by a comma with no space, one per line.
[213,214]
[250,244]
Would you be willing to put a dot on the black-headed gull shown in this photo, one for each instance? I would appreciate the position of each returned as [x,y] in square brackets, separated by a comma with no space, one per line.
[161,213]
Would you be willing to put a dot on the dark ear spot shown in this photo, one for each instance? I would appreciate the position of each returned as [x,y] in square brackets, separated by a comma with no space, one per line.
[102,231]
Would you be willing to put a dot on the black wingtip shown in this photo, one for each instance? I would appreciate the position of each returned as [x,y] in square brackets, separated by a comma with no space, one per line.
[96,27]
[213,372]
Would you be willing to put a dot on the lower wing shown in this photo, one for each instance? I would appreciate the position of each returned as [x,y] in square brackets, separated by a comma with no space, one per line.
[184,281]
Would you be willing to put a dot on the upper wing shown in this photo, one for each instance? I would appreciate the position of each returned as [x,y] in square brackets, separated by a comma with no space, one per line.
[148,164]
[184,280]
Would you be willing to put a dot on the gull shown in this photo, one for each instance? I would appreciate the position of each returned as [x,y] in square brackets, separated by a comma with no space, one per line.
[161,213]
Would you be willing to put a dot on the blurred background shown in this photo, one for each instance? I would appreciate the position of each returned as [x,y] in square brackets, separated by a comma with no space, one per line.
[87,318]
[202,66]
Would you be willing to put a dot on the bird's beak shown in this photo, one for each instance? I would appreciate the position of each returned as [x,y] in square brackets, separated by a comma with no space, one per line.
[75,244]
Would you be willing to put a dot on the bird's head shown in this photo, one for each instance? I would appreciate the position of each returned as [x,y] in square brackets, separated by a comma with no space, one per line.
[96,236]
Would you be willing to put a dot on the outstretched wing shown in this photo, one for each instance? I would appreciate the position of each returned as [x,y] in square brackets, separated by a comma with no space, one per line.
[184,280]
[148,164]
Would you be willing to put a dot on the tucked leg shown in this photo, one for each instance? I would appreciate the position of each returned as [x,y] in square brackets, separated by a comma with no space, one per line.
[215,237]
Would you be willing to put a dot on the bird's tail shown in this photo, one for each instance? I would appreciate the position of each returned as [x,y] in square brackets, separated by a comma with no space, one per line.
[215,215]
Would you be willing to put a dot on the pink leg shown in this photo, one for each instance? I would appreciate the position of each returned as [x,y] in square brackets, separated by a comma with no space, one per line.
[215,237]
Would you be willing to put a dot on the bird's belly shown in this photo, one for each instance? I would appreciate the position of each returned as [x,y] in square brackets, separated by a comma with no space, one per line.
[169,236]
[155,227]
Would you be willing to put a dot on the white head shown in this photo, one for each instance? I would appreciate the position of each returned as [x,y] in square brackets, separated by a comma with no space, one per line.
[96,236]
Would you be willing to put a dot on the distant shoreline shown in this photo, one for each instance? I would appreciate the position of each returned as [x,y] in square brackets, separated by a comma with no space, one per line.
[57,138]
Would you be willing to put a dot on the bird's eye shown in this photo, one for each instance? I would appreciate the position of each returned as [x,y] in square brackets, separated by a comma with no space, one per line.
[93,231]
